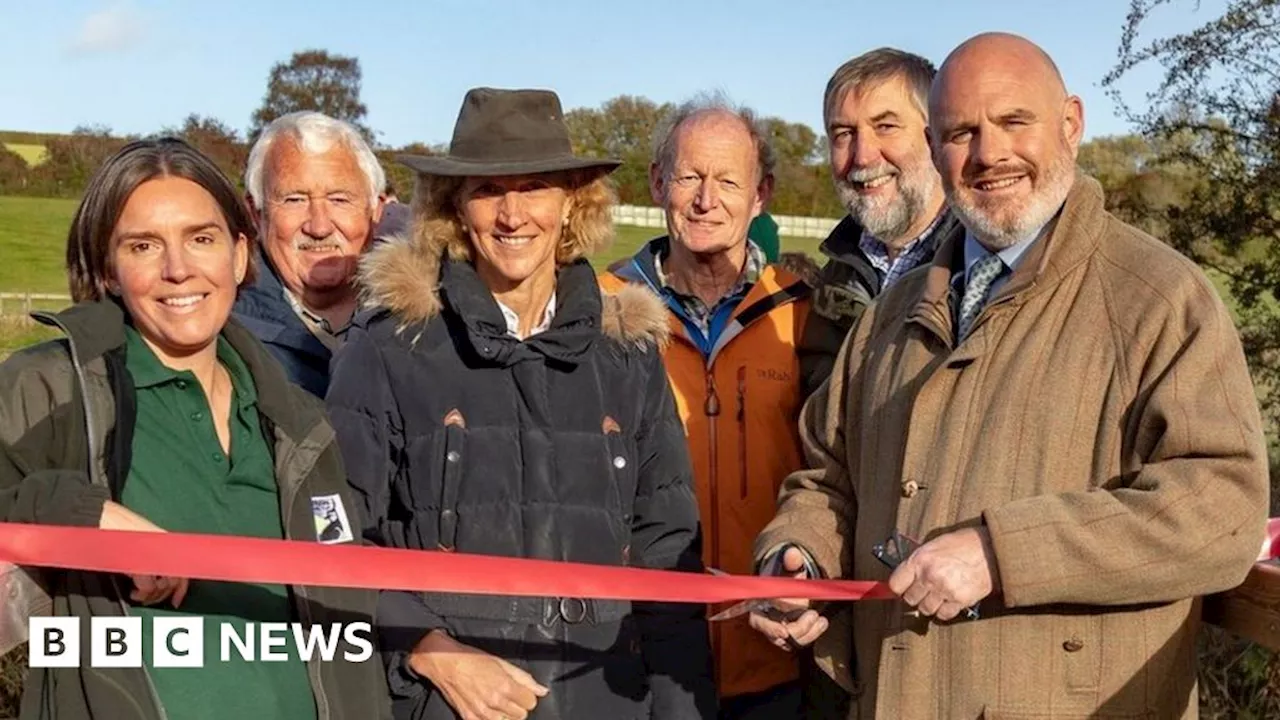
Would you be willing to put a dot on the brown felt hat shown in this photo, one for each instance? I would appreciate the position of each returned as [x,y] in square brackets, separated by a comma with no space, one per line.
[507,132]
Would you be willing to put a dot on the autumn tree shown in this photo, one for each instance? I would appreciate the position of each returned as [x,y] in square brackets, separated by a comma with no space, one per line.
[72,159]
[621,128]
[313,80]
[217,141]
[1217,109]
[1142,177]
[13,172]
[802,175]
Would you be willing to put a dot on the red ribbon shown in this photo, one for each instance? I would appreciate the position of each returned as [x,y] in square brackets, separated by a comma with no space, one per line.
[291,562]
[1271,544]
[294,562]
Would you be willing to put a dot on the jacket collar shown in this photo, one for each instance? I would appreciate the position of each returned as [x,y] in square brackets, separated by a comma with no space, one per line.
[264,308]
[574,327]
[1070,239]
[777,285]
[96,328]
[409,279]
[843,245]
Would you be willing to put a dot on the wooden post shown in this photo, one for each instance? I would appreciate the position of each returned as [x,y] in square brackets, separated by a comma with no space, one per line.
[26,304]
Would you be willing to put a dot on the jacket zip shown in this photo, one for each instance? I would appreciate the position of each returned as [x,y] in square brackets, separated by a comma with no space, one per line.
[146,672]
[78,368]
[742,430]
[304,604]
[711,407]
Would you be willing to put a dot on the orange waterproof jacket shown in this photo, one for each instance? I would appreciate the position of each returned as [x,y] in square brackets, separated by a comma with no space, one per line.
[740,405]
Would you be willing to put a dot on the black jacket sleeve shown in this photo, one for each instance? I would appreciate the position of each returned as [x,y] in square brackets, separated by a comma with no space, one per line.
[363,410]
[666,535]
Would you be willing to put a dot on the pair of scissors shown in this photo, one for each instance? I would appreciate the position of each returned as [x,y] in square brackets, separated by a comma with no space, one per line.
[896,549]
[762,607]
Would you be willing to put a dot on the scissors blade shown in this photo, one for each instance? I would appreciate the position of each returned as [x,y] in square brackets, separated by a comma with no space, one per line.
[741,608]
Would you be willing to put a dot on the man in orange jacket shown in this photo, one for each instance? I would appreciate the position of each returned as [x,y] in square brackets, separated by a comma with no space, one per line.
[732,363]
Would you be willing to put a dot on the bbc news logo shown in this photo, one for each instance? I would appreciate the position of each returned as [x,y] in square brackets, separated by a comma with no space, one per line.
[178,642]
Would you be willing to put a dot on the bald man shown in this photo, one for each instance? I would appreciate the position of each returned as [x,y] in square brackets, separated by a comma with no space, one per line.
[1058,410]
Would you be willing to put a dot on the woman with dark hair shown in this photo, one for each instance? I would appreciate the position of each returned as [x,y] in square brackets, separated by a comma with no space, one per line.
[498,403]
[156,412]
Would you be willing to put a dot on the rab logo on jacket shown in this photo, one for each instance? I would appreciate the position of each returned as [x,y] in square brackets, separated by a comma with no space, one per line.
[330,519]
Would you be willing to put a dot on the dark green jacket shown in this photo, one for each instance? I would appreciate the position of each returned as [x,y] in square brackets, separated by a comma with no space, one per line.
[846,286]
[66,415]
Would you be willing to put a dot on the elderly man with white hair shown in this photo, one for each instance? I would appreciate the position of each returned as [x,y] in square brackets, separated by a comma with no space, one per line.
[315,191]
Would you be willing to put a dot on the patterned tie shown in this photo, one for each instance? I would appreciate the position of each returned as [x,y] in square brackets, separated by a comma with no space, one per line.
[985,272]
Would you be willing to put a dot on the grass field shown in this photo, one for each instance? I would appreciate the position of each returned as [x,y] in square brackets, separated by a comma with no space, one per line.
[31,153]
[33,236]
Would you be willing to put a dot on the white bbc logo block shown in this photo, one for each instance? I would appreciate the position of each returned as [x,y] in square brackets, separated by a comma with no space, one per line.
[115,642]
[177,642]
[55,642]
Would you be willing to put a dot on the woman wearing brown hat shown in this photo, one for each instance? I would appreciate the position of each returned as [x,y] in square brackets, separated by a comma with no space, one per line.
[495,402]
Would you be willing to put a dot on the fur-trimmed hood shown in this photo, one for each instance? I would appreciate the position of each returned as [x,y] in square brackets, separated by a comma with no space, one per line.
[403,276]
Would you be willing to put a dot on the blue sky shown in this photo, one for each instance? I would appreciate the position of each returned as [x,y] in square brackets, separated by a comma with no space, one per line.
[139,65]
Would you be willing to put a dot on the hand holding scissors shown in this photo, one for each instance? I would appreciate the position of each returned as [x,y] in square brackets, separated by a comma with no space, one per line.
[929,587]
[787,623]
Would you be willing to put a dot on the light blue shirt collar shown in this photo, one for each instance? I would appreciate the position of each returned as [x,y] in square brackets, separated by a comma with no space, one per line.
[1010,256]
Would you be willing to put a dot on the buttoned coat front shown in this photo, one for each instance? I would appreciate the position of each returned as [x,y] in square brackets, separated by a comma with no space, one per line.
[1099,420]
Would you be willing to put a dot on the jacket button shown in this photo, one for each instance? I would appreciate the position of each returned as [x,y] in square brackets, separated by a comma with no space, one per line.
[619,462]
[452,456]
[910,488]
[1075,644]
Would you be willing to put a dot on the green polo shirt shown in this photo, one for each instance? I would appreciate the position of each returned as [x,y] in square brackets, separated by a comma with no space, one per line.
[182,481]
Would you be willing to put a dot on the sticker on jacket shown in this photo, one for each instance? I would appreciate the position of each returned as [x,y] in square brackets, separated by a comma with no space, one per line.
[331,519]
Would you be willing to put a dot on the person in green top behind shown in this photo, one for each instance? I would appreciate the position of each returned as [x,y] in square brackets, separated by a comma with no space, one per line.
[159,412]
[763,231]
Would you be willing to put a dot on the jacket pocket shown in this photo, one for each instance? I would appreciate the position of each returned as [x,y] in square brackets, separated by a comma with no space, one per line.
[455,426]
[623,472]
[1080,647]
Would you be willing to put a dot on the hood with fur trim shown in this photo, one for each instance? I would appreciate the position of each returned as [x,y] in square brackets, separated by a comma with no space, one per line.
[403,276]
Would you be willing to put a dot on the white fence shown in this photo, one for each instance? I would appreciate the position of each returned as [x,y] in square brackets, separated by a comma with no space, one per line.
[788,225]
[20,303]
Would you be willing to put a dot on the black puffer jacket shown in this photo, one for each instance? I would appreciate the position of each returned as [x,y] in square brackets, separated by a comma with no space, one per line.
[565,447]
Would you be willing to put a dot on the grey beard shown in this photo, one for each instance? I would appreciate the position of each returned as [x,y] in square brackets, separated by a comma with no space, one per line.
[887,221]
[1037,211]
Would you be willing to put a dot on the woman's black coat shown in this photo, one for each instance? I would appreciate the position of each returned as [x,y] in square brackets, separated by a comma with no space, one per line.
[565,446]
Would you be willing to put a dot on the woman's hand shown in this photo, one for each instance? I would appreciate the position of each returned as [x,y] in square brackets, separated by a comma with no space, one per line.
[147,589]
[477,685]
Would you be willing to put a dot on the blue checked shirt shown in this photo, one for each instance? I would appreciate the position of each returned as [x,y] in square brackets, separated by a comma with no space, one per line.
[915,254]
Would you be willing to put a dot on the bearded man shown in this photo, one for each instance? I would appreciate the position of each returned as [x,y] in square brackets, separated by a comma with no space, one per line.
[1047,442]
[875,110]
